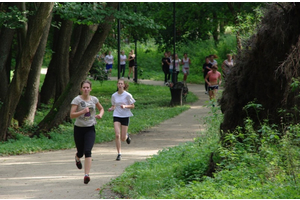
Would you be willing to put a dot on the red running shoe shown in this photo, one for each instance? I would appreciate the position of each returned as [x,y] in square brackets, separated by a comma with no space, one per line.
[86,179]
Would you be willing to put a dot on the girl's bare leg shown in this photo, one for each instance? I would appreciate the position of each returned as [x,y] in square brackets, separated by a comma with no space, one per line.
[117,126]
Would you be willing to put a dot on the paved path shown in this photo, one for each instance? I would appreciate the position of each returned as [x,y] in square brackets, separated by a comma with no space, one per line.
[53,175]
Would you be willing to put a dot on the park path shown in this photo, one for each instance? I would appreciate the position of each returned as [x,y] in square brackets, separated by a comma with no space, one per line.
[53,175]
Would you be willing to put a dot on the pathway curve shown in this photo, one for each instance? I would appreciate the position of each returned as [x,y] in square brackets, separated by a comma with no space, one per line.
[53,175]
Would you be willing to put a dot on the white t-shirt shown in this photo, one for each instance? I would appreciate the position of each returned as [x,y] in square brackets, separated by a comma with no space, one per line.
[122,99]
[109,59]
[213,63]
[87,119]
[123,59]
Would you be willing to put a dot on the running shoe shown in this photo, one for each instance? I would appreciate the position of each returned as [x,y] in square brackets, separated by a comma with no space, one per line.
[128,140]
[78,163]
[86,179]
[119,157]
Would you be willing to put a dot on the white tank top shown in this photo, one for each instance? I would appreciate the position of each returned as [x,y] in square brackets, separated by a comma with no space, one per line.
[186,63]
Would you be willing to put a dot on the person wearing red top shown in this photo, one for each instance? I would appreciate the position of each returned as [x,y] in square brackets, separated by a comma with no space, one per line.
[213,79]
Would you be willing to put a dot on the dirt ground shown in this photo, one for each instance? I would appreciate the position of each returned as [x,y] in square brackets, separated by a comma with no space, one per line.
[53,175]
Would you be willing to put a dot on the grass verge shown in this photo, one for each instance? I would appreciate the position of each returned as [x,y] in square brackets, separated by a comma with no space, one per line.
[181,172]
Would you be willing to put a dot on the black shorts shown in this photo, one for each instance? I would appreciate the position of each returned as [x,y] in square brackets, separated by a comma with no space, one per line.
[123,121]
[213,87]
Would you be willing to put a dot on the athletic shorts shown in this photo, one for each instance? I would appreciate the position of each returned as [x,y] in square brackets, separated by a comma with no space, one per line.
[124,121]
[108,66]
[186,70]
[213,87]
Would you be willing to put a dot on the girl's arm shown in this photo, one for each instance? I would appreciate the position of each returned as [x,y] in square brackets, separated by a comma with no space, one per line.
[111,108]
[206,77]
[100,108]
[74,114]
[131,106]
[220,79]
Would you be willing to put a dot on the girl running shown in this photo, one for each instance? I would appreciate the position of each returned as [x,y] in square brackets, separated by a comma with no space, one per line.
[131,63]
[213,79]
[84,110]
[122,102]
[123,59]
[186,66]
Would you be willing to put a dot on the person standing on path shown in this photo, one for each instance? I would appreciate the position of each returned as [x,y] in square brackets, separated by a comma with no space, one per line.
[213,79]
[186,67]
[84,110]
[131,64]
[123,58]
[109,60]
[122,103]
[165,63]
[206,68]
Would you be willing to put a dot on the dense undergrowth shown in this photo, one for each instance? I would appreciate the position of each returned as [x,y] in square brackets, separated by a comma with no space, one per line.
[242,169]
[151,108]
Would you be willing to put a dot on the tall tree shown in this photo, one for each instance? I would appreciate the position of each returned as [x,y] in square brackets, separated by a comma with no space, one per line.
[62,106]
[27,106]
[35,31]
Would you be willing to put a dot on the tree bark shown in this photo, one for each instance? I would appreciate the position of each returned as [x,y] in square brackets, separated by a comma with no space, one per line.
[26,108]
[87,33]
[61,58]
[6,38]
[35,31]
[48,87]
[62,106]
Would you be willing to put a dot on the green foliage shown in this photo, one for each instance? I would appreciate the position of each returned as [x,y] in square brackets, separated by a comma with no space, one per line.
[82,12]
[243,170]
[149,57]
[148,112]
[12,17]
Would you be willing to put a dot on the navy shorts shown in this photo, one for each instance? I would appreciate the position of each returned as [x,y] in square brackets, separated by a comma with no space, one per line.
[109,66]
[213,87]
[123,121]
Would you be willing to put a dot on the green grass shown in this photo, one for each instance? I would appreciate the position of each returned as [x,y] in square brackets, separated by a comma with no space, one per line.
[151,108]
[180,172]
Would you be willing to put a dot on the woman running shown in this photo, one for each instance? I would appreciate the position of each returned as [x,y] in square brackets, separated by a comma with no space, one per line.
[84,110]
[123,59]
[213,79]
[109,60]
[186,66]
[131,63]
[122,102]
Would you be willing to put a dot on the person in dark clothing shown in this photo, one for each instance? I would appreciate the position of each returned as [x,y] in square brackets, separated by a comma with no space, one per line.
[206,68]
[165,62]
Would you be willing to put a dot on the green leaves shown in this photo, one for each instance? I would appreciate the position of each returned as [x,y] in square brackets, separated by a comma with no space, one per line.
[82,13]
[13,18]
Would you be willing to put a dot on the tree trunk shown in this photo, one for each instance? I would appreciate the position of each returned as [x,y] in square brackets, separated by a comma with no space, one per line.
[86,36]
[61,58]
[28,103]
[62,106]
[48,87]
[6,38]
[35,31]
[74,44]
